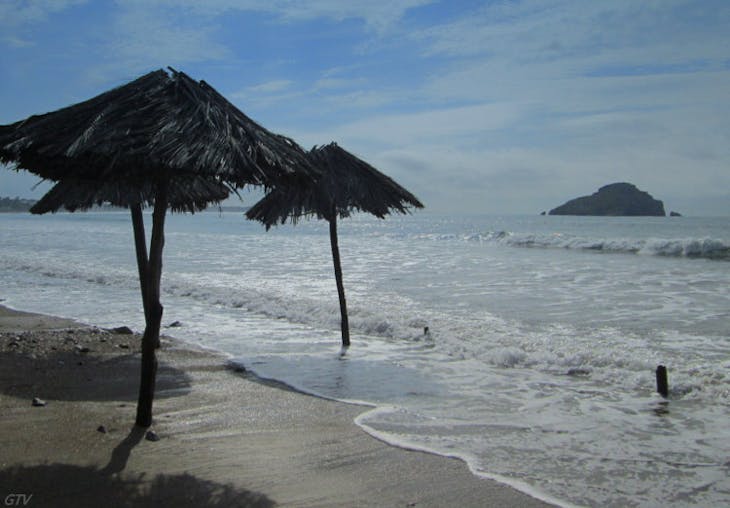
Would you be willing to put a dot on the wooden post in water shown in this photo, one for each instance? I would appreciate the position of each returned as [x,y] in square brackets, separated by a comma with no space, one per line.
[662,385]
[345,325]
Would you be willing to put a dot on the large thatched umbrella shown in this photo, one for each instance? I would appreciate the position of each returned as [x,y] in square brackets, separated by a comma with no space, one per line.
[163,140]
[346,184]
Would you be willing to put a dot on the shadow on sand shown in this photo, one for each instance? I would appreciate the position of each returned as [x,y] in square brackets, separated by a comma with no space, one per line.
[72,377]
[65,485]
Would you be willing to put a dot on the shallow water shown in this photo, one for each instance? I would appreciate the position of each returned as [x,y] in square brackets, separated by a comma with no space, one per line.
[544,332]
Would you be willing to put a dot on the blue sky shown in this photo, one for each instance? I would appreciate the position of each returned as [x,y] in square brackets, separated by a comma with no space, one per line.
[476,107]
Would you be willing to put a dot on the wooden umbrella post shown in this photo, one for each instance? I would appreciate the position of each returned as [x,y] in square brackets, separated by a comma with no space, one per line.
[151,337]
[140,244]
[344,183]
[338,276]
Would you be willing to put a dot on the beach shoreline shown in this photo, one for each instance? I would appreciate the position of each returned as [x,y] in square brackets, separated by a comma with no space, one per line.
[224,439]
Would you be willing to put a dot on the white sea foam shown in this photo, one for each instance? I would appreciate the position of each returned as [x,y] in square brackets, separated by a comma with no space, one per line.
[704,248]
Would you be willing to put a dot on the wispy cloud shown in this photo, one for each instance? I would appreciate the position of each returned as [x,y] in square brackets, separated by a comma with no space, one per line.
[16,13]
[15,41]
[377,15]
[437,126]
[270,87]
[143,36]
[538,30]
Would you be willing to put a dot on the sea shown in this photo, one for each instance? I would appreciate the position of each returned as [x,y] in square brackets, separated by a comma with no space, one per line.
[525,345]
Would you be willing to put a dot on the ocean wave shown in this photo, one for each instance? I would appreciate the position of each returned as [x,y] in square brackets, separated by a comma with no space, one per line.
[65,269]
[692,248]
[268,302]
[706,248]
[486,338]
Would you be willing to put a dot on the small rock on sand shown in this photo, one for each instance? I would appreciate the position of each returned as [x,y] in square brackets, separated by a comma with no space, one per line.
[38,402]
[122,330]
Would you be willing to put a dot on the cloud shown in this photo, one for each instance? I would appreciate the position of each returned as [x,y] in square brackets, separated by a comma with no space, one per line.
[540,31]
[377,15]
[330,83]
[149,33]
[270,87]
[17,13]
[439,126]
[17,42]
[476,181]
[552,51]
[142,36]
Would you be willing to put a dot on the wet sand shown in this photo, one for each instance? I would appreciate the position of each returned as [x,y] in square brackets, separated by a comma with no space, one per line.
[225,439]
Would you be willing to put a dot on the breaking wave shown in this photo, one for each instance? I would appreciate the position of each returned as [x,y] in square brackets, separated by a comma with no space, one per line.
[693,248]
[268,302]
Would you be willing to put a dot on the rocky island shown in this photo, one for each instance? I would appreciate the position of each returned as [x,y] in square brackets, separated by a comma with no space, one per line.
[616,199]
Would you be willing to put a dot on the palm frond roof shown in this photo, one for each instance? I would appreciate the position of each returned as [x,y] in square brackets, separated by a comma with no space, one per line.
[161,126]
[346,183]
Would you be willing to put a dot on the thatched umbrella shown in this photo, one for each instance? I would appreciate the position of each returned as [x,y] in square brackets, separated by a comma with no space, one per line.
[346,184]
[163,140]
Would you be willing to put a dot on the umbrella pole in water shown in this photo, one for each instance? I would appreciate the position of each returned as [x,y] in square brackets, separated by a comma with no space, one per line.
[153,308]
[338,276]
[346,184]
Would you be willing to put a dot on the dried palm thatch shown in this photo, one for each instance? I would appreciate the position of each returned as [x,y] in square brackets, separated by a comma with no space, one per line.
[184,194]
[159,126]
[162,140]
[346,184]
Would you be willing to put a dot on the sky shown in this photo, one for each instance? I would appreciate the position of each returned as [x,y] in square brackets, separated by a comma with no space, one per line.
[477,107]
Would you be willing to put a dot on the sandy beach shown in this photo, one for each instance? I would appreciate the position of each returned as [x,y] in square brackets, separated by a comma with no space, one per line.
[225,438]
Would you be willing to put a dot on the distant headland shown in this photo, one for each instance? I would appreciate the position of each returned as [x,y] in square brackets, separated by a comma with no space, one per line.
[617,199]
[15,204]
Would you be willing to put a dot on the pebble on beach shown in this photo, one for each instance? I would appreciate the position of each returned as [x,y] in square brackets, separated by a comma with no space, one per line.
[38,402]
[122,330]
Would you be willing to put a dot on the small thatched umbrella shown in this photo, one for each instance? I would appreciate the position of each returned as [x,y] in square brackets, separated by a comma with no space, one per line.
[346,184]
[163,140]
